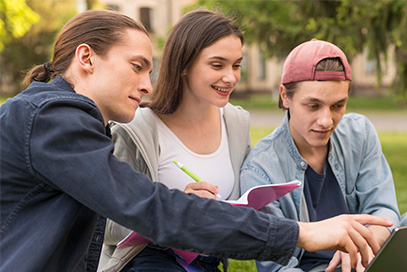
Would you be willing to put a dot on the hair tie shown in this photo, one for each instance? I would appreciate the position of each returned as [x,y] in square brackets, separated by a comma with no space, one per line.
[47,67]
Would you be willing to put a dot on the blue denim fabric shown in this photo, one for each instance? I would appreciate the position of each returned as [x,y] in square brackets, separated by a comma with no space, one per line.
[156,258]
[404,220]
[357,162]
[58,174]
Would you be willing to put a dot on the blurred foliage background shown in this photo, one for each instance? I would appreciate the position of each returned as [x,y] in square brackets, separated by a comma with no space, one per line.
[28,29]
[352,25]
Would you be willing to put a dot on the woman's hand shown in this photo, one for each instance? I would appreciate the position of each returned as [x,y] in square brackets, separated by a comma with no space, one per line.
[202,189]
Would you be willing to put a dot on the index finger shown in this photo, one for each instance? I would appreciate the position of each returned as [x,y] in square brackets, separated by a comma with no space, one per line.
[367,219]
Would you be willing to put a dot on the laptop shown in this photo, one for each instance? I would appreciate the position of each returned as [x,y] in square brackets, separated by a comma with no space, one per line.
[393,254]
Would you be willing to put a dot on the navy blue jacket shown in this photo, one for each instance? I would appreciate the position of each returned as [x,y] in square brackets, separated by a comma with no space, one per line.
[59,180]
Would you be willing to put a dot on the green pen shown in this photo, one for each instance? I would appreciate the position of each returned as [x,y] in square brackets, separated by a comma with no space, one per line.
[191,174]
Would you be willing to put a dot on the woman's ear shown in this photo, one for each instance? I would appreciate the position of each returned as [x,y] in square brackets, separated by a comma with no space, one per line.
[84,56]
[283,96]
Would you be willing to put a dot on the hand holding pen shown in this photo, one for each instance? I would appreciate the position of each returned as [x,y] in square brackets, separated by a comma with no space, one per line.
[197,179]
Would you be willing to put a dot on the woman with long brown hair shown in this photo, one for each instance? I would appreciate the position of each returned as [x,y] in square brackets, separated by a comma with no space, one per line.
[189,120]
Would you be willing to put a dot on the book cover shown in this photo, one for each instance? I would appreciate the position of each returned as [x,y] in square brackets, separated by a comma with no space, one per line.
[259,196]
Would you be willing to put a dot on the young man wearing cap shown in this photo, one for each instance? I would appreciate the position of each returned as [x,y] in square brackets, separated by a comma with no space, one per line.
[337,156]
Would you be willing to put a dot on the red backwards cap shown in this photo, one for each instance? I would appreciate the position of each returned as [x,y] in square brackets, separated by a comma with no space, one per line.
[302,61]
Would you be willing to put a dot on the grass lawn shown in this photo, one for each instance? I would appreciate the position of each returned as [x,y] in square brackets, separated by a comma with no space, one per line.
[395,149]
[3,99]
[355,103]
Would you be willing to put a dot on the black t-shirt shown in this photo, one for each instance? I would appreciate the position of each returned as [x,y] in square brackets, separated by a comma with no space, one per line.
[324,200]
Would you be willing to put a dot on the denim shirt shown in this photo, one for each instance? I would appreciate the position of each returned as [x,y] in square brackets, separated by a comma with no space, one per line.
[58,176]
[357,162]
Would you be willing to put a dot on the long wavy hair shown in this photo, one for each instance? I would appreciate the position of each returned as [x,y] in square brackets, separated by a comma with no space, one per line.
[195,31]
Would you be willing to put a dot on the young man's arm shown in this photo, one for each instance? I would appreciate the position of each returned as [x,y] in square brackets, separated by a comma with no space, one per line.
[74,156]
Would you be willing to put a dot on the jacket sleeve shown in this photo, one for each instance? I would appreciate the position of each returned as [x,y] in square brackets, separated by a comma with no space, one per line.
[369,181]
[74,156]
[125,150]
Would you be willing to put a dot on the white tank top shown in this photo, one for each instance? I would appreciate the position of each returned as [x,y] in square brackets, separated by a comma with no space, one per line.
[215,168]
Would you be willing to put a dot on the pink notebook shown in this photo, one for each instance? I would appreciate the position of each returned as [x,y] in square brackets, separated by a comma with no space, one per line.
[256,197]
[259,196]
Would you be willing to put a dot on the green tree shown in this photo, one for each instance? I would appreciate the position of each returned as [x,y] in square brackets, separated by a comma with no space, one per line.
[353,25]
[16,19]
[93,4]
[35,47]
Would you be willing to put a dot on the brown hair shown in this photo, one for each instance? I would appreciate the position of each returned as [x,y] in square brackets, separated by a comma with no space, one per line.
[100,29]
[329,64]
[193,32]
